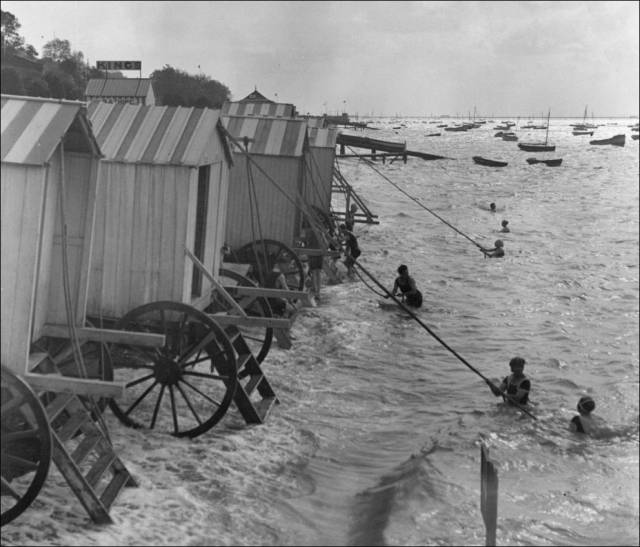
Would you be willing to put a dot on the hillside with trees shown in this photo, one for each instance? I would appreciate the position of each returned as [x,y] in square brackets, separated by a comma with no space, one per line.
[63,73]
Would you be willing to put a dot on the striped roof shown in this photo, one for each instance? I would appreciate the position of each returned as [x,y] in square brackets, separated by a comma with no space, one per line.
[315,121]
[269,136]
[322,137]
[117,87]
[278,110]
[32,127]
[134,133]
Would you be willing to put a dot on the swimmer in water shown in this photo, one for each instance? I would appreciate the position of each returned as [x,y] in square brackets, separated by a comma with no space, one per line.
[505,228]
[496,252]
[515,387]
[492,207]
[586,422]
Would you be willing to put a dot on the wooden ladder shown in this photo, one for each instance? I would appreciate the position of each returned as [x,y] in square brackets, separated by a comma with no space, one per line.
[254,397]
[84,456]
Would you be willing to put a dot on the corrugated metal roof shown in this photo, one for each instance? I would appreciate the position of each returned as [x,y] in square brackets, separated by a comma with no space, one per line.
[322,137]
[269,136]
[33,126]
[117,87]
[277,110]
[155,134]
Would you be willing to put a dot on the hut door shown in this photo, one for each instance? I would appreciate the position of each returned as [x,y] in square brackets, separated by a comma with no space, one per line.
[202,205]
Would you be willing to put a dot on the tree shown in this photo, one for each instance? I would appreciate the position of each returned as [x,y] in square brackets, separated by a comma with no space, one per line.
[11,81]
[177,87]
[11,39]
[57,50]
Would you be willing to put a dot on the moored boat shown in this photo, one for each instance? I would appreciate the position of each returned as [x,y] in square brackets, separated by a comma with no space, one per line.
[488,162]
[510,136]
[550,163]
[536,147]
[582,132]
[616,140]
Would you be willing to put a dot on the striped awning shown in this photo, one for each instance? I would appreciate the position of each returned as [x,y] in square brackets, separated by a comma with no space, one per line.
[32,127]
[269,136]
[117,87]
[277,110]
[322,137]
[134,133]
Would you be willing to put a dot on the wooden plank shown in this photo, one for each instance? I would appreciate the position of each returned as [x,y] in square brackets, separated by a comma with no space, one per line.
[35,360]
[239,268]
[85,446]
[80,386]
[316,252]
[112,490]
[72,425]
[223,319]
[270,293]
[99,467]
[107,335]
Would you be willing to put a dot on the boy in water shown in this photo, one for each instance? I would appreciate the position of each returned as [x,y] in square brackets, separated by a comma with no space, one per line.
[505,228]
[407,286]
[492,207]
[496,252]
[351,248]
[586,422]
[514,388]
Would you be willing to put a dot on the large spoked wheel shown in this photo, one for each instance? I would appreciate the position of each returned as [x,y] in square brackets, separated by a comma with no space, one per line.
[184,387]
[96,359]
[26,446]
[258,338]
[277,254]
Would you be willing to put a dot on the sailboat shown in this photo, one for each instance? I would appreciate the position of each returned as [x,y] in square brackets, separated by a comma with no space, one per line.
[539,146]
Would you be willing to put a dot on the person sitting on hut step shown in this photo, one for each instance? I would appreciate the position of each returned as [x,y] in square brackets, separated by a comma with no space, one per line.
[505,228]
[407,287]
[496,252]
[515,387]
[352,250]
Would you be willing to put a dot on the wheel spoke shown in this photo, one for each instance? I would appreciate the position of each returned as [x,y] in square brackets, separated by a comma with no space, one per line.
[139,399]
[17,461]
[200,393]
[157,408]
[15,402]
[139,380]
[205,375]
[173,410]
[186,399]
[6,489]
[198,347]
[197,360]
[19,435]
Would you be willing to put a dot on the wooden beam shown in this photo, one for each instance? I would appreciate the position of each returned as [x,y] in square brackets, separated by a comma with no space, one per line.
[250,321]
[315,252]
[107,335]
[271,293]
[80,386]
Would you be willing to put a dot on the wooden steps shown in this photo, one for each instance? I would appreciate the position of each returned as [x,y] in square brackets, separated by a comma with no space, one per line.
[84,456]
[254,396]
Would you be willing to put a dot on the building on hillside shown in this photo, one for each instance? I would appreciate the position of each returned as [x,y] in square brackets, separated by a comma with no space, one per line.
[121,90]
[256,104]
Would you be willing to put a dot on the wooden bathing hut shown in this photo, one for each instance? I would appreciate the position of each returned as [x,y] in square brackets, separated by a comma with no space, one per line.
[160,231]
[320,163]
[256,104]
[49,185]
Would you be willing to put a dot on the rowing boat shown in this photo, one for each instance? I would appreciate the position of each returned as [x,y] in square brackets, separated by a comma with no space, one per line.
[488,162]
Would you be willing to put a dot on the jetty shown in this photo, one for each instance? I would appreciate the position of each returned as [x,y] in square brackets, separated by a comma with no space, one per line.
[380,148]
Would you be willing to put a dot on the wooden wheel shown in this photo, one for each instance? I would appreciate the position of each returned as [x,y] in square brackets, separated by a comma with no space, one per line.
[258,338]
[186,386]
[277,253]
[26,446]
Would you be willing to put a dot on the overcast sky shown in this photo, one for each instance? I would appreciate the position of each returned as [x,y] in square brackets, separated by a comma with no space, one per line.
[372,58]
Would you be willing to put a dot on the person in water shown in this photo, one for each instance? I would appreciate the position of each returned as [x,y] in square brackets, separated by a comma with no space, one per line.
[351,249]
[350,217]
[514,388]
[492,207]
[407,287]
[496,252]
[586,422]
[505,228]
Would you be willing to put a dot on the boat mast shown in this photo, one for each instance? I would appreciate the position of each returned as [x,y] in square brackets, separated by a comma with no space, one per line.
[546,138]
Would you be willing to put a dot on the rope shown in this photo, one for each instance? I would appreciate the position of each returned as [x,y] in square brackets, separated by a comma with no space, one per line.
[464,361]
[414,199]
[66,283]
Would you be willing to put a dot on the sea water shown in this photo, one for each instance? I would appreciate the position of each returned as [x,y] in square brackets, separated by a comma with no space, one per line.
[376,440]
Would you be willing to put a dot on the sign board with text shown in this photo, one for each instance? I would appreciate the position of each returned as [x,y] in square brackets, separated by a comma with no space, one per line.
[119,65]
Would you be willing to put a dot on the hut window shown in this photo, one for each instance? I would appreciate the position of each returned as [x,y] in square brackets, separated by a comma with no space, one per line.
[202,206]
